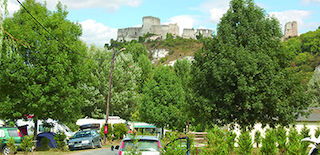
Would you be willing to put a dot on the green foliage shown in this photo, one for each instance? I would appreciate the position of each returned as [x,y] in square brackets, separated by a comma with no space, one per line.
[269,143]
[125,81]
[242,73]
[163,59]
[294,143]
[133,149]
[217,144]
[317,133]
[257,138]
[163,100]
[26,144]
[43,78]
[245,143]
[60,138]
[281,136]
[44,144]
[231,136]
[305,132]
[314,89]
[11,144]
[110,131]
[119,130]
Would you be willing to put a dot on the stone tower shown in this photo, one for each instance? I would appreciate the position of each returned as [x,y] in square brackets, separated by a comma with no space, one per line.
[291,30]
[148,23]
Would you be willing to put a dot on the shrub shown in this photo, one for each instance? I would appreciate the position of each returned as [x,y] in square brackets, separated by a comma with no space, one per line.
[231,136]
[44,144]
[317,134]
[304,134]
[26,144]
[60,140]
[119,130]
[269,143]
[245,143]
[11,145]
[257,138]
[110,131]
[294,142]
[217,144]
[281,135]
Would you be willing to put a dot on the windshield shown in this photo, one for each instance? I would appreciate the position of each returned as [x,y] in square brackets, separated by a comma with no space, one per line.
[82,134]
[143,145]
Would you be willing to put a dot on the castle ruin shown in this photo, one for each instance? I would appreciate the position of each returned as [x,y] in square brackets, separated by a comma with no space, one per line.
[152,25]
[290,30]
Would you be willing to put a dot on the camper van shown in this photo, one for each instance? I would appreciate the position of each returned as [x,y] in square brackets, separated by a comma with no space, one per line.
[41,127]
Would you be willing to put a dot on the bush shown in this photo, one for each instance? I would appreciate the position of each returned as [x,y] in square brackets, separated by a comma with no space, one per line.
[269,143]
[44,144]
[11,145]
[60,140]
[26,144]
[245,143]
[119,130]
[304,134]
[217,144]
[317,134]
[294,142]
[281,135]
[231,136]
[110,131]
[257,138]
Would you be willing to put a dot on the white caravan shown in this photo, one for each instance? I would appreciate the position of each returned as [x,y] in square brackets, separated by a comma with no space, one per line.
[56,127]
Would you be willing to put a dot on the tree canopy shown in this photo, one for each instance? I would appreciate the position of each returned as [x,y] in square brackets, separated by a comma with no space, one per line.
[42,78]
[242,73]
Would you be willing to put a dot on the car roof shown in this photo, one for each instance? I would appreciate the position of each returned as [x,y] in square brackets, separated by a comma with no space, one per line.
[141,137]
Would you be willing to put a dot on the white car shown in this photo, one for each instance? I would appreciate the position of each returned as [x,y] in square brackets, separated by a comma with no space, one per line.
[146,145]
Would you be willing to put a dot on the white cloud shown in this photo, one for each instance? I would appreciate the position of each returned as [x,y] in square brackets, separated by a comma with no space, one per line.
[215,9]
[296,15]
[109,5]
[97,33]
[306,2]
[183,21]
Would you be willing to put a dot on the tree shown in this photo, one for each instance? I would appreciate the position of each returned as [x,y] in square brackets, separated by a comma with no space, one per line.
[242,72]
[125,81]
[163,100]
[43,78]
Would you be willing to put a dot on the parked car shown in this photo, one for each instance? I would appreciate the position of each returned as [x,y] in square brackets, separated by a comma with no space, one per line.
[315,147]
[7,133]
[147,145]
[85,139]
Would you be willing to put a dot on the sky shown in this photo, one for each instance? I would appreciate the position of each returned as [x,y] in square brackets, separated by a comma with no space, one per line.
[101,19]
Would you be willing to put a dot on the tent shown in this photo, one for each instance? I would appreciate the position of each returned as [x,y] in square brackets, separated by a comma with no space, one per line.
[49,135]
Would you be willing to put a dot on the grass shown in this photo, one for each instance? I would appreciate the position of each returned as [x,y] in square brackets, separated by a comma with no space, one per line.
[108,144]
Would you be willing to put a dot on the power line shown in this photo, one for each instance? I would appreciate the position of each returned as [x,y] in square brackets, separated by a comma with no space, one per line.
[54,36]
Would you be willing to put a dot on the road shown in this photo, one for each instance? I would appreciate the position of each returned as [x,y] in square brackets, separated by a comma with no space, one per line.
[106,151]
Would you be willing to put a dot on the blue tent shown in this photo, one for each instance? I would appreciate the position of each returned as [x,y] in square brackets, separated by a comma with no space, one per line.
[49,135]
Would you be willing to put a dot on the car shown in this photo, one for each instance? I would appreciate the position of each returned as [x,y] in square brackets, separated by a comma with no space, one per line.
[85,139]
[7,133]
[147,145]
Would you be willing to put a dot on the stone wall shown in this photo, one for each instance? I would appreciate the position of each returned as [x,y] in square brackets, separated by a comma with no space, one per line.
[188,33]
[153,25]
[290,30]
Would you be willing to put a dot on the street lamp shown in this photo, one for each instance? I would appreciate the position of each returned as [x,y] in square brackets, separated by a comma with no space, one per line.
[109,94]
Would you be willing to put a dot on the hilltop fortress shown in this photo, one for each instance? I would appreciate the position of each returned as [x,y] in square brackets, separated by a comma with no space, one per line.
[153,26]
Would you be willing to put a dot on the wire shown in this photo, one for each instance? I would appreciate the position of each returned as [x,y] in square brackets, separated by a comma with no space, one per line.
[54,36]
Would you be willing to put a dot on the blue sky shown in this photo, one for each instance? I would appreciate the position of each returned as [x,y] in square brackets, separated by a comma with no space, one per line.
[100,19]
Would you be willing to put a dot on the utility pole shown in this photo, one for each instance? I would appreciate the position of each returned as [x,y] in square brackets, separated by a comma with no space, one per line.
[109,94]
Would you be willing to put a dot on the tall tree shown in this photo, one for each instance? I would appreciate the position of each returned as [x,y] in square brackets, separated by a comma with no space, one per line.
[163,100]
[242,72]
[124,90]
[43,79]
